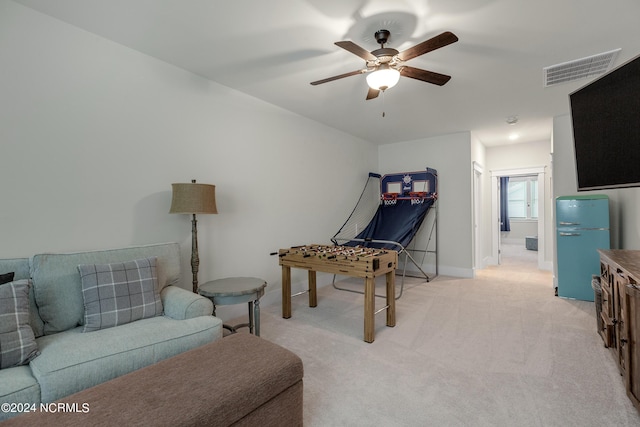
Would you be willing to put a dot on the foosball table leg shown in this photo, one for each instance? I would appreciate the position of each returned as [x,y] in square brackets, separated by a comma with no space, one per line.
[369,309]
[391,298]
[313,295]
[286,292]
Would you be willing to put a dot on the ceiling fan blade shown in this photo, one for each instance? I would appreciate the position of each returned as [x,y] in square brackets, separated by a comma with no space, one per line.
[433,43]
[357,50]
[373,93]
[341,76]
[424,75]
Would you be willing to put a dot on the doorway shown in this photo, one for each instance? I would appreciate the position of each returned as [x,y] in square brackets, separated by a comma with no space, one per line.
[538,172]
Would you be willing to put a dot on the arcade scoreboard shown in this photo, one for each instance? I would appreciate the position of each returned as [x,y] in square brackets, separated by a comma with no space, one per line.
[367,263]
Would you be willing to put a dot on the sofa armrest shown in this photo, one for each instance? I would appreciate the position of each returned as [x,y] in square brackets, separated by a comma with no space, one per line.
[181,304]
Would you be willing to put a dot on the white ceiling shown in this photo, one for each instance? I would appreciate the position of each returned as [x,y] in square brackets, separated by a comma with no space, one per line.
[273,49]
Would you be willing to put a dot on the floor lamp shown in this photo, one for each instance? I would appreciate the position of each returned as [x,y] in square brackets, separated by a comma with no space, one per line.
[193,199]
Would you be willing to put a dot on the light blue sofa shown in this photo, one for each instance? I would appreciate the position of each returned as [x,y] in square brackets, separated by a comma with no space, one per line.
[71,360]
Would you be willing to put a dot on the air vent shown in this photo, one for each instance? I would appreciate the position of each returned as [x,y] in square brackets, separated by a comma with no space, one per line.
[580,68]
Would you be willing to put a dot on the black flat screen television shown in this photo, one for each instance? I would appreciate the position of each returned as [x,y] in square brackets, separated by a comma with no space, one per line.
[606,129]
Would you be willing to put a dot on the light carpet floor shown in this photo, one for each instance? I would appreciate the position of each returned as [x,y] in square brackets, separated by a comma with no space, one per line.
[497,350]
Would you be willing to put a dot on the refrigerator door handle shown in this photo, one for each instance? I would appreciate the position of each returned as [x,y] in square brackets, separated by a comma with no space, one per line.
[569,223]
[564,233]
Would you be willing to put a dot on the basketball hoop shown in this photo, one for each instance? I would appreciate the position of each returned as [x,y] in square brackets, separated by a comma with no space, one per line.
[389,198]
[417,197]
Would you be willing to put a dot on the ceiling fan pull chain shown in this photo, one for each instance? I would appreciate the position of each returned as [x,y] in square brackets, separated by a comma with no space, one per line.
[383,113]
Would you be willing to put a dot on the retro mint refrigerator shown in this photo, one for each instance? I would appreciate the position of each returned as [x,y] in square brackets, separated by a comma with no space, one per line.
[582,227]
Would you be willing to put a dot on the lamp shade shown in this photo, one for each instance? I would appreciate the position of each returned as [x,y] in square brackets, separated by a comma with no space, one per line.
[383,78]
[193,198]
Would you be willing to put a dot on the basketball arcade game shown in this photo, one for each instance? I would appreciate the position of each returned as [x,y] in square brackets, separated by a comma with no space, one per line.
[391,213]
[385,221]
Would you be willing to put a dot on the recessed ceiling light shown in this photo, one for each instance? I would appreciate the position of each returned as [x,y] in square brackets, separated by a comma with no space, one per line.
[513,136]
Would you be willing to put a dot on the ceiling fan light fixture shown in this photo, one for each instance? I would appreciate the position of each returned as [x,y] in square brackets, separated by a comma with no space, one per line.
[383,78]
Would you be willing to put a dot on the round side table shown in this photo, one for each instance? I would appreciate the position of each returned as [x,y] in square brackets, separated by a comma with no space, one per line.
[235,290]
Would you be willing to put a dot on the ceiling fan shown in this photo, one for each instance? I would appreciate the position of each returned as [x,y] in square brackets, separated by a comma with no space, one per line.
[386,65]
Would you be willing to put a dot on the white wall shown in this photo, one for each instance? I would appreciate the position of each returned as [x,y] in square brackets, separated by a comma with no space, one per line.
[93,134]
[519,230]
[450,155]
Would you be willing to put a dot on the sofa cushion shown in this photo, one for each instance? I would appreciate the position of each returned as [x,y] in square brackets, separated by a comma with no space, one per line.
[119,293]
[7,277]
[17,342]
[108,353]
[17,385]
[57,287]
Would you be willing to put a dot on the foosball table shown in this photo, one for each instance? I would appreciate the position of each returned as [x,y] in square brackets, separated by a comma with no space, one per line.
[367,263]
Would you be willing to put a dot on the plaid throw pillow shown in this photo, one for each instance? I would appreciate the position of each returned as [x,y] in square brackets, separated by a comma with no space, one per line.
[119,293]
[17,343]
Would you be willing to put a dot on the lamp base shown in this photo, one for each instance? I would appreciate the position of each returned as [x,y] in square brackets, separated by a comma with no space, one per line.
[195,259]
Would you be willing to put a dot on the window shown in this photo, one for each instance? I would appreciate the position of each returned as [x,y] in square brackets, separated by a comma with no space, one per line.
[523,197]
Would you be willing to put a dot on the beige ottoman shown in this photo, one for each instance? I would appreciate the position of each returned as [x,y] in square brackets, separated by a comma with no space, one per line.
[240,380]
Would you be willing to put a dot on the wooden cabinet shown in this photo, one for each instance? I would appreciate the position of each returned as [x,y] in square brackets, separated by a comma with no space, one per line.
[620,330]
[606,326]
[632,356]
[620,282]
